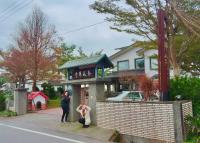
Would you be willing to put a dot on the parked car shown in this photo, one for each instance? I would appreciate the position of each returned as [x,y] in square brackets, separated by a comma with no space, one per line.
[128,96]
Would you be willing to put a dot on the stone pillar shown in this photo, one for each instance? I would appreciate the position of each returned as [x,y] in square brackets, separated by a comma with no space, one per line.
[96,72]
[20,101]
[178,122]
[96,92]
[74,102]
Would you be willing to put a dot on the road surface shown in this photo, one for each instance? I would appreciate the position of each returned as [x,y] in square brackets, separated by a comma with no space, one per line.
[13,134]
[39,128]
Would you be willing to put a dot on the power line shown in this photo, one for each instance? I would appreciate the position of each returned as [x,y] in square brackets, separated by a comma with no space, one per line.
[82,28]
[10,8]
[15,9]
[7,8]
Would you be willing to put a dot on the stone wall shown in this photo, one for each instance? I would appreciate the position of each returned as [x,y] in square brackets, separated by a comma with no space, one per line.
[187,111]
[150,120]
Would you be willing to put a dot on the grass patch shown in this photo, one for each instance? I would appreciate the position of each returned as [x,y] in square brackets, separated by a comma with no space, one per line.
[7,114]
[53,103]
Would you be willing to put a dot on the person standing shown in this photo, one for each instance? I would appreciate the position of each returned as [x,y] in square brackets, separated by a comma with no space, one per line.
[85,115]
[65,101]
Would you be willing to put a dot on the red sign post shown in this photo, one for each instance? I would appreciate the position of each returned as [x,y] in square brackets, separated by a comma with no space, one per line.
[163,60]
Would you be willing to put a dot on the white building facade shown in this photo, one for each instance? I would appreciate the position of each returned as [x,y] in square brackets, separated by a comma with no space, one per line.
[137,59]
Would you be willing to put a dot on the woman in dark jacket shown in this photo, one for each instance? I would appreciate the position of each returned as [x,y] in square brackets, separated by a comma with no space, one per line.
[65,101]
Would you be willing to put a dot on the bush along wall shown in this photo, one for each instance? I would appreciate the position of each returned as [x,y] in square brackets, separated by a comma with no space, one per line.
[188,88]
[48,89]
[2,101]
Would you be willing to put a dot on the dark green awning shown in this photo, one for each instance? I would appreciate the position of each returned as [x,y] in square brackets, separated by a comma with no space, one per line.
[103,59]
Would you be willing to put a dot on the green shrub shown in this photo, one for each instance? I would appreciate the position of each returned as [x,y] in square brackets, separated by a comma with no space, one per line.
[48,90]
[7,114]
[60,91]
[193,127]
[3,80]
[53,103]
[188,88]
[2,102]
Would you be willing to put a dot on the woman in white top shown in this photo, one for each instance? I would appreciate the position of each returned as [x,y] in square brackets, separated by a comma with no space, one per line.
[85,115]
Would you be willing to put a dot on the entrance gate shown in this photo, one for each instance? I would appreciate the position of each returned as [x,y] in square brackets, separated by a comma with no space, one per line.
[91,72]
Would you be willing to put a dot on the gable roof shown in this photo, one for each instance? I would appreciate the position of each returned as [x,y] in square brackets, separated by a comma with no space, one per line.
[144,45]
[87,61]
[32,95]
[122,50]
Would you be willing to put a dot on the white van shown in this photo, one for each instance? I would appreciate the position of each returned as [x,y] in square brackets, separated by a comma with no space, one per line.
[128,96]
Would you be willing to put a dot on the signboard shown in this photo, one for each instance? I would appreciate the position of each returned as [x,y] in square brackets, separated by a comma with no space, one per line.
[163,57]
[76,73]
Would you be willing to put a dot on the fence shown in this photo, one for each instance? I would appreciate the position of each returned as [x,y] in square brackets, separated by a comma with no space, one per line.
[158,121]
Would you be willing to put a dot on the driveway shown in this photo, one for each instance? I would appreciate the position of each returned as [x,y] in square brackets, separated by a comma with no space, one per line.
[45,127]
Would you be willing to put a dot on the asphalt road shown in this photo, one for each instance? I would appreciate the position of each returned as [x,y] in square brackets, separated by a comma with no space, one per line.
[13,134]
[39,128]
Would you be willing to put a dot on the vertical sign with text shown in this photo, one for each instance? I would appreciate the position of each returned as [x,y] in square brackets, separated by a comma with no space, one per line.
[163,68]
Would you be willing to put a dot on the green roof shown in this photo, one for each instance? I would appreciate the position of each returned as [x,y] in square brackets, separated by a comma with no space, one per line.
[87,61]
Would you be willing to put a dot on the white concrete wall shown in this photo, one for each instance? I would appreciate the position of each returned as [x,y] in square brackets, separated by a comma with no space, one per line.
[39,98]
[149,72]
[132,55]
[29,85]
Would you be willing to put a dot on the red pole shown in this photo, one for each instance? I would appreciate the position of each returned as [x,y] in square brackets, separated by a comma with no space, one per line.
[163,68]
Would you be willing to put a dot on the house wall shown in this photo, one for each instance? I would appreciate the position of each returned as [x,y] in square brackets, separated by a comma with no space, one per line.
[145,122]
[29,85]
[150,72]
[39,98]
[132,55]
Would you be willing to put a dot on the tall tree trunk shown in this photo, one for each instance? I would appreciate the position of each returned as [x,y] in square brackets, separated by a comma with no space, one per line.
[176,70]
[172,53]
[34,88]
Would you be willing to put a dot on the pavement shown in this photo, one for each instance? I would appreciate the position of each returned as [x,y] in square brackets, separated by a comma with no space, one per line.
[45,127]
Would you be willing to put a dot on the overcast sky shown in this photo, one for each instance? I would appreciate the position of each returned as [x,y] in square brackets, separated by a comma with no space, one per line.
[66,15]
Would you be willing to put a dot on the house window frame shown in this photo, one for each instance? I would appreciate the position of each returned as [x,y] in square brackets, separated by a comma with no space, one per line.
[150,60]
[123,61]
[135,64]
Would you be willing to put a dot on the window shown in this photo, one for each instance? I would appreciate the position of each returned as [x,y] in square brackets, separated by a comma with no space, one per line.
[123,65]
[153,63]
[134,95]
[139,63]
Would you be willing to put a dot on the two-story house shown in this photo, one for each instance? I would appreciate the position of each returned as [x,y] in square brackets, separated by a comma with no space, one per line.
[134,61]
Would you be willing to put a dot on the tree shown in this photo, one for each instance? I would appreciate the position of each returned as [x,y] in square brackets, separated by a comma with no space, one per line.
[65,53]
[139,17]
[147,85]
[128,79]
[81,53]
[49,90]
[3,80]
[96,53]
[38,38]
[191,60]
[14,63]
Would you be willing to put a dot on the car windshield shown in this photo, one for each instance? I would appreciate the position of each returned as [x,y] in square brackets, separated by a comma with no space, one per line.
[134,95]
